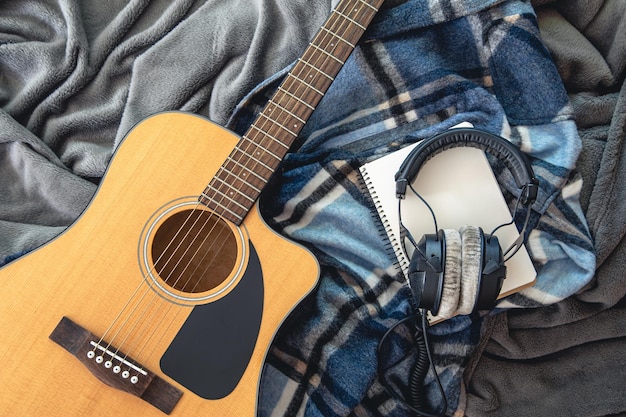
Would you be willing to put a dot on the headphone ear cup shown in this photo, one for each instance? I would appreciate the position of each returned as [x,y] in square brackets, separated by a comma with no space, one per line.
[472,253]
[426,272]
[492,275]
[451,274]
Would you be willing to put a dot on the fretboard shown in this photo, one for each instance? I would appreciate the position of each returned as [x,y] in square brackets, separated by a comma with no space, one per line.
[239,181]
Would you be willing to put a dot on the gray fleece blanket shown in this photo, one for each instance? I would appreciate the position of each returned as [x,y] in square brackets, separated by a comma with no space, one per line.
[75,76]
[569,359]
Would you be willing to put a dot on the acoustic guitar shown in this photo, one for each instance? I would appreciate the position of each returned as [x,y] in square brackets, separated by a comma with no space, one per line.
[165,295]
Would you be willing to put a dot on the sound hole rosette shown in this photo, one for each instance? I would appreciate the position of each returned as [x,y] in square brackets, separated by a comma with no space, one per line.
[189,255]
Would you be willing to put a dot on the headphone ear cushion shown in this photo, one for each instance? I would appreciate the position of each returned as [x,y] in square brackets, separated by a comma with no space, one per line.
[451,274]
[472,253]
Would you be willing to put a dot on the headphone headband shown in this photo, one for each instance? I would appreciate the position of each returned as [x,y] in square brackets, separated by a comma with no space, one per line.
[516,161]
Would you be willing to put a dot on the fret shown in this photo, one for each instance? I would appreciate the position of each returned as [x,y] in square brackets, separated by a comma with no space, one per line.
[224,184]
[374,9]
[284,107]
[256,163]
[245,174]
[325,52]
[281,89]
[259,149]
[281,144]
[295,116]
[288,104]
[313,88]
[263,169]
[310,86]
[229,194]
[259,162]
[338,50]
[249,167]
[317,58]
[354,22]
[333,34]
[274,140]
[231,186]
[285,128]
[224,210]
[330,78]
[226,205]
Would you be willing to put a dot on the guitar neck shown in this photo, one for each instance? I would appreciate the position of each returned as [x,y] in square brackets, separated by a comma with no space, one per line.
[238,183]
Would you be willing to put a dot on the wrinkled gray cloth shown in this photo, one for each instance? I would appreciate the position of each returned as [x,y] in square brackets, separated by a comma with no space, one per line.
[569,359]
[75,76]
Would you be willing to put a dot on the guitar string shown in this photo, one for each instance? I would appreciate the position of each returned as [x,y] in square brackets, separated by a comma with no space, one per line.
[130,330]
[196,250]
[129,301]
[140,285]
[271,140]
[146,308]
[264,129]
[207,264]
[284,111]
[133,313]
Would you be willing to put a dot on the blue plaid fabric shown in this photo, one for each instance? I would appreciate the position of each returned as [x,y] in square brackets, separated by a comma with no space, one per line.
[422,67]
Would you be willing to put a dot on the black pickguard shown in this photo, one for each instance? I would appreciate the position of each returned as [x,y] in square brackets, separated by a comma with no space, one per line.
[212,349]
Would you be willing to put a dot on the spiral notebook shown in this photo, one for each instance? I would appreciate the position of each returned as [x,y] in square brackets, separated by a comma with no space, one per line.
[461,188]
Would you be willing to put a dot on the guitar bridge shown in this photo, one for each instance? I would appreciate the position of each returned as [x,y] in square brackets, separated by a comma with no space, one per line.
[113,368]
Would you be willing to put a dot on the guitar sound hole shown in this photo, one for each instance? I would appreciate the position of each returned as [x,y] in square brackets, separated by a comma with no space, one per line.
[194,251]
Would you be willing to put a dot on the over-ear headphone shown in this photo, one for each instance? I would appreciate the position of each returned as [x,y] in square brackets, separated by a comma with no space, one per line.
[457,272]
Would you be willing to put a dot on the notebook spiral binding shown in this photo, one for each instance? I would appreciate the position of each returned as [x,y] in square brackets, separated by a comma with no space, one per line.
[386,232]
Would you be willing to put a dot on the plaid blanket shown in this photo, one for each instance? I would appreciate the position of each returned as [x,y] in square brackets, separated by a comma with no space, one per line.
[422,67]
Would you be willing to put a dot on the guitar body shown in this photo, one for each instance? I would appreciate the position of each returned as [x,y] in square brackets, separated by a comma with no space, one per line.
[102,274]
[165,295]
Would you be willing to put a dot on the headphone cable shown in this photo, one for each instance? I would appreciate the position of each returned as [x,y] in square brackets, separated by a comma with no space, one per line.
[418,373]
